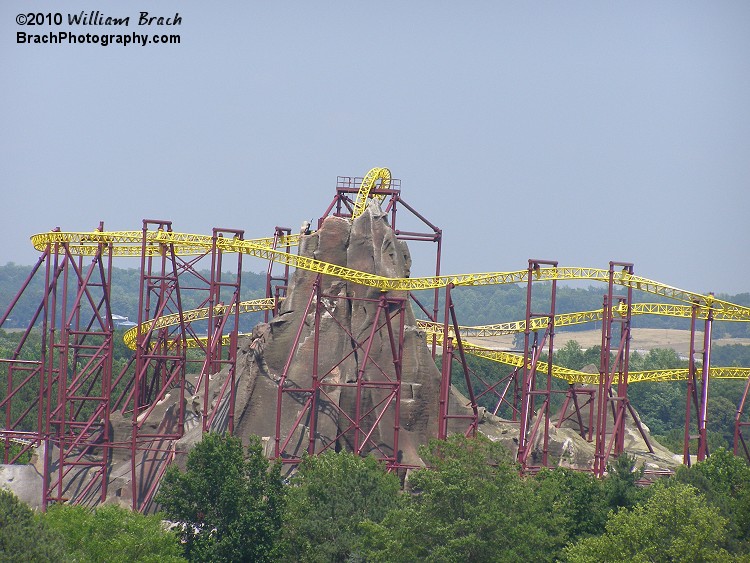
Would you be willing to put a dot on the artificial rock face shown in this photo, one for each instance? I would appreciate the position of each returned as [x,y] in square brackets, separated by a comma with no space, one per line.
[346,314]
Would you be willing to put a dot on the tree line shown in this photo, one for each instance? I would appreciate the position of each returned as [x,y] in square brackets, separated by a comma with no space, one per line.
[469,503]
[124,293]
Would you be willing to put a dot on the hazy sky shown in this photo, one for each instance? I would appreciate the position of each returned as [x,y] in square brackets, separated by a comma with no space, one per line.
[581,132]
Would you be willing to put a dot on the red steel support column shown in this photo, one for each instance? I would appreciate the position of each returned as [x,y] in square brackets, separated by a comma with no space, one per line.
[221,313]
[622,359]
[611,368]
[446,368]
[436,296]
[314,375]
[692,390]
[452,333]
[529,390]
[600,462]
[739,424]
[85,374]
[160,361]
[275,290]
[50,374]
[705,378]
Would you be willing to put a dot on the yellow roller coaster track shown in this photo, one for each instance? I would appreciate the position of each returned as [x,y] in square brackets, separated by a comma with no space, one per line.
[569,319]
[129,243]
[573,376]
[581,317]
[368,183]
[432,328]
[192,315]
[500,356]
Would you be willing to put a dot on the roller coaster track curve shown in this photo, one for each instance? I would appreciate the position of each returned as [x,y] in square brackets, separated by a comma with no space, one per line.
[131,243]
[503,357]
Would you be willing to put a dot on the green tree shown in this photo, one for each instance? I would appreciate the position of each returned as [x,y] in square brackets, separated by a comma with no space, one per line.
[620,486]
[570,355]
[675,524]
[230,506]
[727,486]
[113,534]
[24,536]
[727,473]
[720,418]
[328,498]
[577,497]
[470,505]
[13,450]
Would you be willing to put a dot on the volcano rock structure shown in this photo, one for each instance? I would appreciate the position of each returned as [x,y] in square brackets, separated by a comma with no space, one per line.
[347,348]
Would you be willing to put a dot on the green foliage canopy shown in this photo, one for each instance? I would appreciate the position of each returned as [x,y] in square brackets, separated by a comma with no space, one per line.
[112,534]
[229,505]
[24,535]
[329,496]
[675,524]
[470,505]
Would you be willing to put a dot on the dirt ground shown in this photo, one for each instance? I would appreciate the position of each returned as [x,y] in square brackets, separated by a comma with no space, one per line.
[642,340]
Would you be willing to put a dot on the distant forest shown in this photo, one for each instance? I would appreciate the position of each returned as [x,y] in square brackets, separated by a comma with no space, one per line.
[124,297]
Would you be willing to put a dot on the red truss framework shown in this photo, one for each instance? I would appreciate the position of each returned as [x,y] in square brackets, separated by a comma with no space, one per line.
[613,375]
[159,366]
[376,390]
[455,351]
[533,387]
[69,415]
[587,399]
[223,319]
[511,385]
[277,284]
[697,390]
[161,358]
[64,400]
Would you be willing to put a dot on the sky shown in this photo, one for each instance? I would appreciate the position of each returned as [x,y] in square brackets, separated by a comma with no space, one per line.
[581,132]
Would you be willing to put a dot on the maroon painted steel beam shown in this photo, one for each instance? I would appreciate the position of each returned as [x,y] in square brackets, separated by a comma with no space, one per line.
[85,335]
[277,291]
[612,369]
[160,353]
[532,353]
[706,376]
[278,448]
